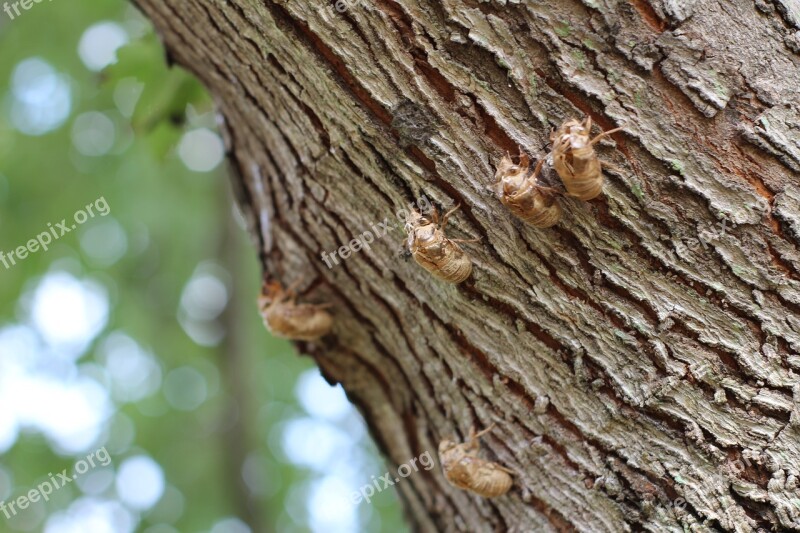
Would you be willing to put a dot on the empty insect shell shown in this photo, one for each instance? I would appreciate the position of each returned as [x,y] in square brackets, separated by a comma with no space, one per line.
[433,251]
[523,195]
[575,160]
[464,469]
[287,319]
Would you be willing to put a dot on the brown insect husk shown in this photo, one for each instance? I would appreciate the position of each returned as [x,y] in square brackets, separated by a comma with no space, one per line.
[464,469]
[287,319]
[433,251]
[575,159]
[523,195]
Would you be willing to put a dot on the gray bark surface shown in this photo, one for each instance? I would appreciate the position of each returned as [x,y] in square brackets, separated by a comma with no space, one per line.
[640,359]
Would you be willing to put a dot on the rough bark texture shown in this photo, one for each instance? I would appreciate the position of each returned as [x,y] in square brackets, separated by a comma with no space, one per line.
[643,351]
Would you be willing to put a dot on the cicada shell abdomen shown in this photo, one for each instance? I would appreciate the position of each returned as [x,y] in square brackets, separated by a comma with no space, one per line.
[576,161]
[465,470]
[287,319]
[434,252]
[523,195]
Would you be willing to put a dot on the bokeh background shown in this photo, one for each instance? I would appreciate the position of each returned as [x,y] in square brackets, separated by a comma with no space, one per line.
[138,332]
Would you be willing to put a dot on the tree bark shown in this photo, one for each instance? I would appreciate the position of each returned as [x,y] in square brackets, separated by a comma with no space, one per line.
[640,359]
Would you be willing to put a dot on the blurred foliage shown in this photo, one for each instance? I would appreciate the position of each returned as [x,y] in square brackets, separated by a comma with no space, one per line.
[173,220]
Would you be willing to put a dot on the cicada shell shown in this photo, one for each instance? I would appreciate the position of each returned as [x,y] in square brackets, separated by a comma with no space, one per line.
[575,160]
[433,251]
[523,195]
[287,319]
[464,469]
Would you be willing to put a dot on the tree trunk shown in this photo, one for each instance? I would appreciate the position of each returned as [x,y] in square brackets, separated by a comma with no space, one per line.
[640,358]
